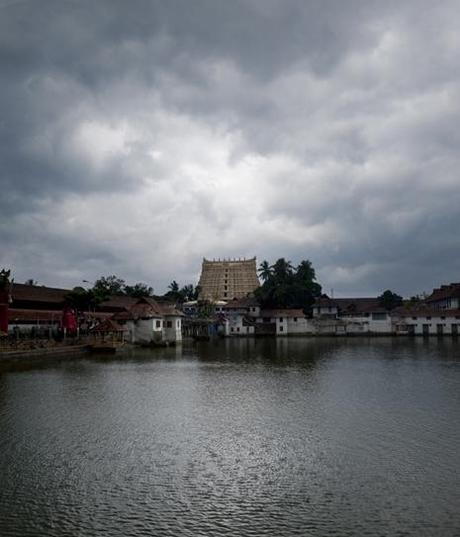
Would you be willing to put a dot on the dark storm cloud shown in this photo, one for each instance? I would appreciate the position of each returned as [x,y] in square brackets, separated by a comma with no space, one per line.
[138,137]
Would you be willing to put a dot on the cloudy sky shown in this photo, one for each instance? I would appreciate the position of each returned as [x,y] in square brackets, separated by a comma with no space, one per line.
[137,137]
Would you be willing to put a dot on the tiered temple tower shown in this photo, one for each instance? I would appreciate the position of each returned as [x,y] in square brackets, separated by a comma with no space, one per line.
[224,279]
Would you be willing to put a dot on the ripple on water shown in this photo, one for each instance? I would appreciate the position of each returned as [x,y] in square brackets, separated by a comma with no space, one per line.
[240,438]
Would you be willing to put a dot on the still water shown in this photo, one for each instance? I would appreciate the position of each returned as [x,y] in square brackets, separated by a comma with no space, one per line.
[323,437]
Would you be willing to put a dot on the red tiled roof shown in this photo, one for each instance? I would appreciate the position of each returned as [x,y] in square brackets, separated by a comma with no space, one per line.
[147,307]
[241,303]
[38,293]
[109,325]
[170,310]
[18,315]
[282,313]
[118,302]
[21,314]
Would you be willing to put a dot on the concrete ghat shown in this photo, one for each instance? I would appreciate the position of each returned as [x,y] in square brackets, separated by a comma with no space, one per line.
[17,356]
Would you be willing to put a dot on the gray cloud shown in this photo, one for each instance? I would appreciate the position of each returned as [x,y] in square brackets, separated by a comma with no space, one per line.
[138,137]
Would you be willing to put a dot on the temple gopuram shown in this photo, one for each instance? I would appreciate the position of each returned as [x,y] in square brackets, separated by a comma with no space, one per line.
[224,279]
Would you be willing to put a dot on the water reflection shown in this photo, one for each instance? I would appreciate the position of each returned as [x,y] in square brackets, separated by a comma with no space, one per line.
[236,437]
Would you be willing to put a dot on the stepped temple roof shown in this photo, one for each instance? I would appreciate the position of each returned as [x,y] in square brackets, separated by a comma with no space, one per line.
[225,279]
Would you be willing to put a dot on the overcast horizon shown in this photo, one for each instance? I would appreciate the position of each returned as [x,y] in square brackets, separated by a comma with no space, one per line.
[139,137]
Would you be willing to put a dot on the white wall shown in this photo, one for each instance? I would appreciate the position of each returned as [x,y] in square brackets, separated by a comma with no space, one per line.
[368,323]
[324,310]
[172,328]
[292,325]
[236,327]
[401,325]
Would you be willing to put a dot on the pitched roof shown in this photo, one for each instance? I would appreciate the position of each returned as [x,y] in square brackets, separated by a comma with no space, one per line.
[147,308]
[451,290]
[170,310]
[16,315]
[38,293]
[109,325]
[282,313]
[117,303]
[240,303]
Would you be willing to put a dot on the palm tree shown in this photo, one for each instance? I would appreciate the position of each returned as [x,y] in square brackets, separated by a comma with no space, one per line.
[265,270]
[282,269]
[173,287]
[305,271]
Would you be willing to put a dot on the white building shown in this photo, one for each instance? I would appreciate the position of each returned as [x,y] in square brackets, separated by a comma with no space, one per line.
[425,321]
[151,322]
[446,297]
[350,316]
[246,318]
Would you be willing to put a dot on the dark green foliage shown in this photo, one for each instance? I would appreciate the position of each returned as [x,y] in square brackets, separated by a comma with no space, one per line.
[107,286]
[265,270]
[288,287]
[173,287]
[390,300]
[83,299]
[183,294]
[138,290]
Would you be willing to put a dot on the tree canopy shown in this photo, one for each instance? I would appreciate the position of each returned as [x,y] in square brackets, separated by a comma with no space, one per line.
[390,300]
[286,286]
[109,285]
[138,290]
[182,294]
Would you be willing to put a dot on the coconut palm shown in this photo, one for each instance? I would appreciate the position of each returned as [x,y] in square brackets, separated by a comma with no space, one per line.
[265,271]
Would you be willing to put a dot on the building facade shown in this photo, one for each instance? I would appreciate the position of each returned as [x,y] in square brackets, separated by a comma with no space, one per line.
[446,297]
[225,279]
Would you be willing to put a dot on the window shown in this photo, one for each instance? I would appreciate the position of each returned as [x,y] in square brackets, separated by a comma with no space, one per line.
[238,329]
[414,318]
[158,324]
[428,318]
[169,324]
[295,319]
[281,319]
[281,328]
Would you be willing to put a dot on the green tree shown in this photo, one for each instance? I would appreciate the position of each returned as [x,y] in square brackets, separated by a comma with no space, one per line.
[390,300]
[187,292]
[107,286]
[289,287]
[265,270]
[138,290]
[282,270]
[173,287]
[83,299]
